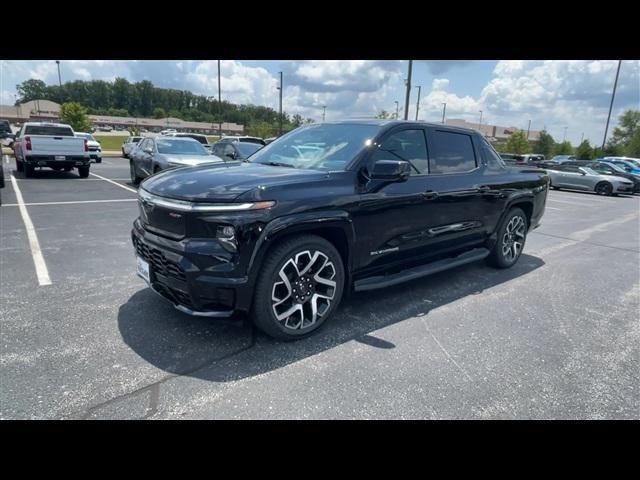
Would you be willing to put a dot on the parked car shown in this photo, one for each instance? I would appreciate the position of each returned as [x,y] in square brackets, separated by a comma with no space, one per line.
[584,178]
[155,154]
[95,150]
[1,180]
[244,139]
[627,164]
[6,135]
[234,150]
[286,235]
[168,131]
[607,168]
[128,146]
[563,158]
[196,136]
[52,145]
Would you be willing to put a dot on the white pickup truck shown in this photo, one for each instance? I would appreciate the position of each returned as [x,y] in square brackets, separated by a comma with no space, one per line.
[50,145]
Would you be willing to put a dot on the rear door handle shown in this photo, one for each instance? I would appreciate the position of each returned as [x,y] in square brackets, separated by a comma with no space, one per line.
[430,195]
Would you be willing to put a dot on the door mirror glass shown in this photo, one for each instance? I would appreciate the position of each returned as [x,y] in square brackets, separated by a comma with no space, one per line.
[391,170]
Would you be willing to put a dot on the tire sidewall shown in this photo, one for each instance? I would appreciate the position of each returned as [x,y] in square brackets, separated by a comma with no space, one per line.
[262,305]
[500,259]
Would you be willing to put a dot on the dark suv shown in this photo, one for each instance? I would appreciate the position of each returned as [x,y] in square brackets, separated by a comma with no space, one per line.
[327,209]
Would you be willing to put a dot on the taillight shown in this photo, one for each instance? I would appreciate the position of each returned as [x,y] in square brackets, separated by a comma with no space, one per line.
[27,143]
[86,145]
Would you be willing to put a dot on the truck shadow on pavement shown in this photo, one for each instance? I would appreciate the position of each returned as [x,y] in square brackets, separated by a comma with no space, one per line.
[229,350]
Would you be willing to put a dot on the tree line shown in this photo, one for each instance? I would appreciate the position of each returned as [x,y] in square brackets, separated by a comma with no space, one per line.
[142,99]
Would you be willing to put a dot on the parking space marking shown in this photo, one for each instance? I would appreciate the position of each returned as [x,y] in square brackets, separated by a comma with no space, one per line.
[68,179]
[115,183]
[73,202]
[38,260]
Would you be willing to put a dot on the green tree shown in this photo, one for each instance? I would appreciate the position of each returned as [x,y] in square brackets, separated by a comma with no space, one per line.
[159,112]
[564,148]
[74,114]
[32,90]
[384,114]
[261,129]
[517,143]
[544,145]
[297,120]
[629,124]
[633,147]
[584,151]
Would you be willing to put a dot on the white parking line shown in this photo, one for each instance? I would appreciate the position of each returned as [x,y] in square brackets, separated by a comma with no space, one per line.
[36,253]
[115,183]
[72,203]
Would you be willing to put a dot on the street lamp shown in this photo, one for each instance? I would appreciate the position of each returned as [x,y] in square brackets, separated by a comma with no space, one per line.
[564,137]
[613,95]
[324,111]
[280,88]
[480,123]
[418,102]
[444,109]
[528,129]
[219,103]
[408,94]
[397,106]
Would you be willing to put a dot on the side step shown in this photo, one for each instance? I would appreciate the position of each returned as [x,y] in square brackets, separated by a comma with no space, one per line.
[381,281]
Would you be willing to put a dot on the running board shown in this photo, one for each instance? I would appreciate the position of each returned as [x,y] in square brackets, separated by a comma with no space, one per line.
[382,281]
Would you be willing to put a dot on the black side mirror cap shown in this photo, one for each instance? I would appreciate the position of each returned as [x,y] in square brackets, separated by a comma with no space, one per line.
[391,170]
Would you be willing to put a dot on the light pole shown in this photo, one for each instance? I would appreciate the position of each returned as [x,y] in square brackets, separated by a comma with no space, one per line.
[59,77]
[444,109]
[280,88]
[528,129]
[219,103]
[480,123]
[564,137]
[324,111]
[582,138]
[408,94]
[418,102]
[613,95]
[397,111]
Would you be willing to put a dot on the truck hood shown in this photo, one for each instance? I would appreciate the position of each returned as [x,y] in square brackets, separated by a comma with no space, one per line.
[224,182]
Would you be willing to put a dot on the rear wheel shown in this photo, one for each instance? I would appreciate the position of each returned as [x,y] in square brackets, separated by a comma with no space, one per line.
[511,238]
[135,179]
[83,172]
[604,188]
[19,165]
[28,170]
[299,287]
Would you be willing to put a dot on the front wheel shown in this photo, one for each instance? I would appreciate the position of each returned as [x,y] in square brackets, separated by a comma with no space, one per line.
[83,172]
[299,287]
[28,170]
[604,188]
[511,238]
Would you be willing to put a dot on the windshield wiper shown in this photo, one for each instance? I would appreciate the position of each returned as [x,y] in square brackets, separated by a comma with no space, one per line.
[278,164]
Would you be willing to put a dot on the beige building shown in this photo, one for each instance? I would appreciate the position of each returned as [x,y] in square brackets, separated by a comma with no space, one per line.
[47,111]
[493,133]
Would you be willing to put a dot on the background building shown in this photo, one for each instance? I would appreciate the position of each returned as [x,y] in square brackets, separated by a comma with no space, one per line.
[493,133]
[47,111]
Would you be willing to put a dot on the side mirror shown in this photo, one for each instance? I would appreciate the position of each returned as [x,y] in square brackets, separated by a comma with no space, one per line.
[148,150]
[231,155]
[391,170]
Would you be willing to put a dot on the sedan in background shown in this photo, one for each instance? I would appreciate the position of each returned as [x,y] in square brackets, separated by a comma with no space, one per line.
[584,178]
[196,136]
[234,150]
[129,145]
[160,153]
[607,168]
[563,158]
[627,164]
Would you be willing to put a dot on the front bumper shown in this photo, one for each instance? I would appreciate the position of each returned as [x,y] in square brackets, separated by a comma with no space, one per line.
[624,189]
[181,272]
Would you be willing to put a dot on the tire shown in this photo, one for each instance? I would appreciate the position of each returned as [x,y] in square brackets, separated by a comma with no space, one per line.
[83,172]
[19,166]
[135,179]
[272,296]
[511,233]
[28,170]
[67,169]
[604,188]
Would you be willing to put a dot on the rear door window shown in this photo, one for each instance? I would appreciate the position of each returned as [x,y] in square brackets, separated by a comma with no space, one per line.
[451,152]
[53,131]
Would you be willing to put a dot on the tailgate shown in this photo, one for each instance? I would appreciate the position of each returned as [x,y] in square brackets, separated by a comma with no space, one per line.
[47,145]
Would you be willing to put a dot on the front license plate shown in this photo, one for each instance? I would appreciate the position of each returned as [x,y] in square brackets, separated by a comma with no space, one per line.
[60,157]
[143,269]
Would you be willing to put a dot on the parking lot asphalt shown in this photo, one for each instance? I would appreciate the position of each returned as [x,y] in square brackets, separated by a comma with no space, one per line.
[556,336]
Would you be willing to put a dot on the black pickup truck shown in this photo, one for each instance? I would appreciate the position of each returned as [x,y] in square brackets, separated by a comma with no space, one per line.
[328,209]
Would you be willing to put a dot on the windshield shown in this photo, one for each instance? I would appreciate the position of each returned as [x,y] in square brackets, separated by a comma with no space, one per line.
[247,149]
[322,147]
[178,146]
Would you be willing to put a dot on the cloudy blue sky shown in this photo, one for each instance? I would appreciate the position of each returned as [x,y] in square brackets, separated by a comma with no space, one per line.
[555,94]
